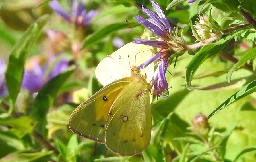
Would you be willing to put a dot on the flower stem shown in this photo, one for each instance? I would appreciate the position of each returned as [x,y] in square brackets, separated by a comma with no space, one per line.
[248,17]
[44,142]
[234,60]
[205,42]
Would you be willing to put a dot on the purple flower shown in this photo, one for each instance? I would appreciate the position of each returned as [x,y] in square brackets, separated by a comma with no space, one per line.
[156,23]
[77,14]
[34,79]
[3,88]
[159,82]
[159,25]
[191,1]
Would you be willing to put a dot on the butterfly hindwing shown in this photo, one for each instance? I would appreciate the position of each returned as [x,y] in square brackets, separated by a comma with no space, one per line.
[89,118]
[128,126]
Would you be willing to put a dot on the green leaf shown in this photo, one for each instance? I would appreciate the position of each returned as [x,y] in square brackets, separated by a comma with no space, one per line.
[225,5]
[243,152]
[244,91]
[58,119]
[152,154]
[72,148]
[214,24]
[224,139]
[194,32]
[21,126]
[174,3]
[41,4]
[62,148]
[160,130]
[114,10]
[196,156]
[25,157]
[46,96]
[206,52]
[104,32]
[11,140]
[248,55]
[111,159]
[15,67]
[184,153]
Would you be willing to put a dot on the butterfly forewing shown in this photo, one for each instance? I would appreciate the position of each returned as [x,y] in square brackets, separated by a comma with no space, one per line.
[89,118]
[119,63]
[129,122]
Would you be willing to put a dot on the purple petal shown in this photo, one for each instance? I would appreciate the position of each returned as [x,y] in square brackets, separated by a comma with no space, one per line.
[58,68]
[88,17]
[150,60]
[159,82]
[3,87]
[153,43]
[75,9]
[152,27]
[154,18]
[191,1]
[81,10]
[32,81]
[160,13]
[2,71]
[3,90]
[55,5]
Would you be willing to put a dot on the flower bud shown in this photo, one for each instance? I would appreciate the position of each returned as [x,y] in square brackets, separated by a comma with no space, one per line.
[203,28]
[200,124]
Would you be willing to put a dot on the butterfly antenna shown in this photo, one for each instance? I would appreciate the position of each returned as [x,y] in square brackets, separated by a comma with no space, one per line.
[131,25]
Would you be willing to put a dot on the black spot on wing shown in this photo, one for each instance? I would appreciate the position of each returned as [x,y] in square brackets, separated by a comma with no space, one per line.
[105,98]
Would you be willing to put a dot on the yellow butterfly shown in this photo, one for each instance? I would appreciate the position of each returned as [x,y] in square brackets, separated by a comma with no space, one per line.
[118,115]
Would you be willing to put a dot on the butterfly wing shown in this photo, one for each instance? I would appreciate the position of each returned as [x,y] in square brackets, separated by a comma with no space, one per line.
[118,65]
[89,118]
[128,126]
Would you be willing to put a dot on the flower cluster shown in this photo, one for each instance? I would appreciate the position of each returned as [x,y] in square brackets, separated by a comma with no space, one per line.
[159,25]
[76,15]
[166,41]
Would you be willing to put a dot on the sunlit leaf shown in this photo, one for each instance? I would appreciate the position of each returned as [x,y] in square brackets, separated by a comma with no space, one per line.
[174,3]
[58,119]
[104,32]
[15,67]
[244,91]
[183,155]
[248,55]
[25,157]
[152,154]
[244,152]
[72,148]
[20,126]
[12,141]
[204,53]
